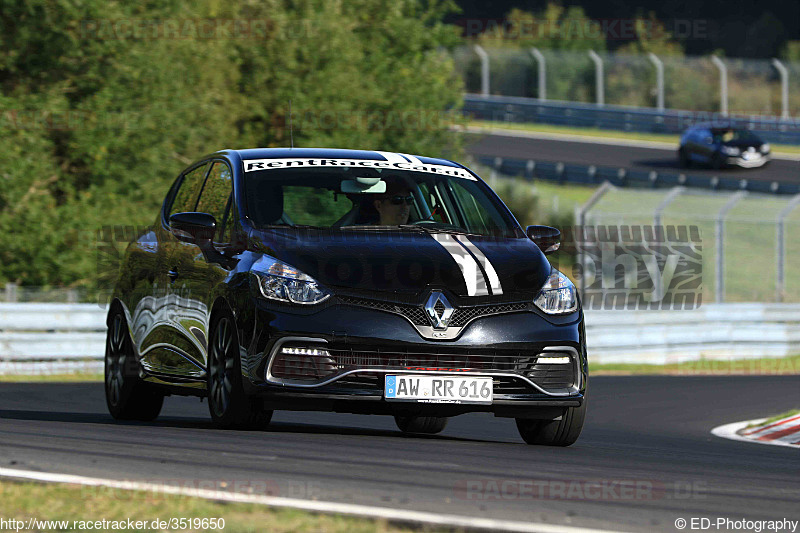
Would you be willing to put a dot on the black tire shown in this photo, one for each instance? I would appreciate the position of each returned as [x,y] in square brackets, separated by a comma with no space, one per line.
[683,159]
[717,162]
[562,432]
[127,396]
[228,405]
[421,424]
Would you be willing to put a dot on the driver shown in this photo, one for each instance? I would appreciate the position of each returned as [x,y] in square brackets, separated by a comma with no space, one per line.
[394,205]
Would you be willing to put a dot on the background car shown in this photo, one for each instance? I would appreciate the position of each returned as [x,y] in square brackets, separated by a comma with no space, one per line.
[721,145]
[344,280]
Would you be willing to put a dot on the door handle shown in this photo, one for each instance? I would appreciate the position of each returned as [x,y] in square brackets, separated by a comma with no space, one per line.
[173,275]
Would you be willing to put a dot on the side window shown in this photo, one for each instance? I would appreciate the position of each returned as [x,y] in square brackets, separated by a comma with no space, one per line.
[186,197]
[215,197]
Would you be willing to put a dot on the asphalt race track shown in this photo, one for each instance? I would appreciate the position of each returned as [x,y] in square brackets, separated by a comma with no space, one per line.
[609,155]
[647,432]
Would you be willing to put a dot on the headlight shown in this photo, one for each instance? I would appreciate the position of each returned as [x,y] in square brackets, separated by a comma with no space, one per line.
[558,295]
[730,150]
[279,281]
[764,148]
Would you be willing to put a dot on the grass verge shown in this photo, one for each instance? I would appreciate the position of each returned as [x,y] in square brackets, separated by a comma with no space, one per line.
[704,367]
[778,149]
[43,501]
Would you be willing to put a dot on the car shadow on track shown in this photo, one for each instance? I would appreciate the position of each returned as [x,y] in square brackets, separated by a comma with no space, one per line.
[673,166]
[203,424]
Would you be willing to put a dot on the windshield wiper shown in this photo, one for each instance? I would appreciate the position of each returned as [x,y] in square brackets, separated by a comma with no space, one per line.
[293,226]
[437,229]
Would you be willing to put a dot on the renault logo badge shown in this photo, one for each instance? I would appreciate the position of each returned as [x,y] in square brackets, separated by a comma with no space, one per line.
[438,310]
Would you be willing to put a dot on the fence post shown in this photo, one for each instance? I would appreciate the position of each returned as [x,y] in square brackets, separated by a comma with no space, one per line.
[579,234]
[598,73]
[723,84]
[542,66]
[668,199]
[780,246]
[484,69]
[720,234]
[659,80]
[784,87]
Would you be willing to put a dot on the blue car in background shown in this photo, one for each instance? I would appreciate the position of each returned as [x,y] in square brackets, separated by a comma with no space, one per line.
[721,146]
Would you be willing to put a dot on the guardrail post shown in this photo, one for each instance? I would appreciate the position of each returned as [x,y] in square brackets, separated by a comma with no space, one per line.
[579,233]
[780,246]
[11,292]
[659,80]
[598,73]
[719,290]
[484,69]
[784,86]
[723,84]
[542,72]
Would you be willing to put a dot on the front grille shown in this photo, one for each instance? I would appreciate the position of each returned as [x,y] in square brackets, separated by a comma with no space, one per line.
[506,386]
[398,358]
[303,367]
[337,358]
[502,385]
[416,314]
[462,315]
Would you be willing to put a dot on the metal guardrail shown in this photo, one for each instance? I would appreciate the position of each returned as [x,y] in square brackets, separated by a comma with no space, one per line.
[49,338]
[644,120]
[58,338]
[624,177]
[714,331]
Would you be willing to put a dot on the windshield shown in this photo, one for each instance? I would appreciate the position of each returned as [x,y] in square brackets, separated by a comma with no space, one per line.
[731,135]
[357,199]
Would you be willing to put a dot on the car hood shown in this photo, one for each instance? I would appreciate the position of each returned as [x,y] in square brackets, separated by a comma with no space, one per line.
[744,145]
[410,263]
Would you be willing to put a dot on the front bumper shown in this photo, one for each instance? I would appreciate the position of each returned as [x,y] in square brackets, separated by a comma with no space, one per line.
[754,161]
[356,347]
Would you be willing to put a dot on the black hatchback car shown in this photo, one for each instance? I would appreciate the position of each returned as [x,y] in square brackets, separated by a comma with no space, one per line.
[722,145]
[349,281]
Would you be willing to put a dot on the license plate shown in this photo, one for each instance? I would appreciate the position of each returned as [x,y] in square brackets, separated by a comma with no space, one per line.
[438,389]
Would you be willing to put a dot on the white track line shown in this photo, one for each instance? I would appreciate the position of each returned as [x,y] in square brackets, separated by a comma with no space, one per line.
[730,431]
[589,139]
[397,515]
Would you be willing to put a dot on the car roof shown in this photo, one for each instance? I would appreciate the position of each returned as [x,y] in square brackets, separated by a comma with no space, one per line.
[337,153]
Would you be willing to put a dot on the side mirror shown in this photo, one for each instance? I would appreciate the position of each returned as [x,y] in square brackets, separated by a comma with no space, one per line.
[547,238]
[196,228]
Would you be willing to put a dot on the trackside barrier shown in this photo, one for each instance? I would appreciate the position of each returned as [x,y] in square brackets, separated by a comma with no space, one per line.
[51,338]
[520,109]
[63,338]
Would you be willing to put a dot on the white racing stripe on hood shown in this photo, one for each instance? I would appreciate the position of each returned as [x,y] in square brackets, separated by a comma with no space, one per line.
[413,159]
[494,279]
[392,157]
[476,283]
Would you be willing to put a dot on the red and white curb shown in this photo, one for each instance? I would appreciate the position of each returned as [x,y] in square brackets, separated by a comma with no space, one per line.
[784,432]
